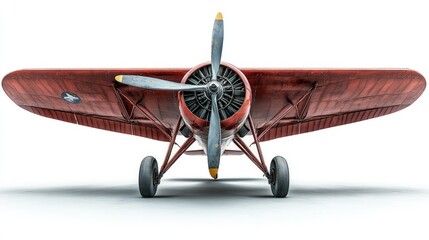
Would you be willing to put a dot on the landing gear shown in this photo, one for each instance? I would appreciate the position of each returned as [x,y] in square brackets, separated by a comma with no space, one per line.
[148,177]
[279,174]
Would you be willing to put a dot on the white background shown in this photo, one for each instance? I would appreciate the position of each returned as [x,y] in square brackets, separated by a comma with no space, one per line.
[365,180]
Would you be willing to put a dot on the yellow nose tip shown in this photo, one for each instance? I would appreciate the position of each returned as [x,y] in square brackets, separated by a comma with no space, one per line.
[118,78]
[213,172]
[219,16]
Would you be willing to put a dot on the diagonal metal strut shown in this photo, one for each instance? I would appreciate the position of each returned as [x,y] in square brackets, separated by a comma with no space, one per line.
[285,110]
[129,116]
[260,163]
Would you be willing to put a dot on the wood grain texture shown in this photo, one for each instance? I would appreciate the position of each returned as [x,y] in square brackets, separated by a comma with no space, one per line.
[340,97]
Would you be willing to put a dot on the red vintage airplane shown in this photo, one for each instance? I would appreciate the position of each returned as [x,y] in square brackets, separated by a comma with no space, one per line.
[214,104]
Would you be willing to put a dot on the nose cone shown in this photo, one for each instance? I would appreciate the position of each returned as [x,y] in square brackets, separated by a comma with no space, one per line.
[213,172]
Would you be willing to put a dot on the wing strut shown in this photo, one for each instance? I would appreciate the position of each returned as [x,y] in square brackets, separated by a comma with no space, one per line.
[129,116]
[300,114]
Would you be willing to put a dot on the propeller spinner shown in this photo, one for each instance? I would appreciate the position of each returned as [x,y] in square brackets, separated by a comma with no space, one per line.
[212,88]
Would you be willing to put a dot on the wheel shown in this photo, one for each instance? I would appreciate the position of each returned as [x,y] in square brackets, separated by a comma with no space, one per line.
[148,177]
[279,172]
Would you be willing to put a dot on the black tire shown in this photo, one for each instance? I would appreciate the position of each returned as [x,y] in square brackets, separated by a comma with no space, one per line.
[148,177]
[279,171]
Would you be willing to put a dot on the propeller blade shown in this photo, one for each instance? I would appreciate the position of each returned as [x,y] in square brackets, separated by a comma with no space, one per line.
[157,84]
[213,146]
[217,43]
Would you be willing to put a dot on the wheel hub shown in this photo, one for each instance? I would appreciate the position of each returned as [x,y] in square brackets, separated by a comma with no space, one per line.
[272,177]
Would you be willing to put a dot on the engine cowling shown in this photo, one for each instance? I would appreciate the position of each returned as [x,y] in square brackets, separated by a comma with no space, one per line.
[234,101]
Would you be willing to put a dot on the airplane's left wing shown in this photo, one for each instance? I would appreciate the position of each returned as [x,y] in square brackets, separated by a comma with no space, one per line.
[287,102]
[93,98]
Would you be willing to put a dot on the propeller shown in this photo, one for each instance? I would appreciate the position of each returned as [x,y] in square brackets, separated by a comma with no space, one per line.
[214,138]
[212,88]
[157,84]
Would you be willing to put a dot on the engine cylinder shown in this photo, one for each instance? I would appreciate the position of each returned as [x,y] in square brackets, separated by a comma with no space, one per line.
[233,101]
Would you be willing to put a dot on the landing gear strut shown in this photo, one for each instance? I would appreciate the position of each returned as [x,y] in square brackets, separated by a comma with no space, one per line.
[149,175]
[278,175]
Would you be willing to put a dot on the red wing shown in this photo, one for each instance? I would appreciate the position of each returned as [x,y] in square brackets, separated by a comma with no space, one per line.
[312,99]
[103,103]
[318,99]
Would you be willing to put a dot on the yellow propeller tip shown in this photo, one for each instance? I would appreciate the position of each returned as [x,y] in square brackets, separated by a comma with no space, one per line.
[213,172]
[219,16]
[119,78]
